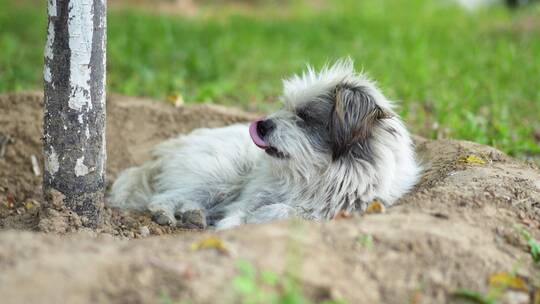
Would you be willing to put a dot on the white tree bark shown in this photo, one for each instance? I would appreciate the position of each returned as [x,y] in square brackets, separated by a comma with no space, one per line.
[74,115]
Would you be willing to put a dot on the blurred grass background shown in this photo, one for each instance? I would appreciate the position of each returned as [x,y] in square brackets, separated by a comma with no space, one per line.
[456,73]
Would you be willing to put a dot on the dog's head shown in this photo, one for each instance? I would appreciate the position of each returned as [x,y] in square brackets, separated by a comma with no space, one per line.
[328,116]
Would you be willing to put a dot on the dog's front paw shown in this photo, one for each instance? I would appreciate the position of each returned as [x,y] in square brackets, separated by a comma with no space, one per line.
[230,222]
[163,217]
[191,219]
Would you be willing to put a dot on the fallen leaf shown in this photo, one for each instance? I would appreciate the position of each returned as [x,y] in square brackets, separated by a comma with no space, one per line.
[29,205]
[471,159]
[211,242]
[176,100]
[507,280]
[375,207]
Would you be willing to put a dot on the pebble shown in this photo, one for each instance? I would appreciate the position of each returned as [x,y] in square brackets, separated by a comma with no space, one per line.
[516,297]
[157,231]
[144,231]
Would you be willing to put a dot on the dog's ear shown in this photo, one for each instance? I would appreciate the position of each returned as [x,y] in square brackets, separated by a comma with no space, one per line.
[353,118]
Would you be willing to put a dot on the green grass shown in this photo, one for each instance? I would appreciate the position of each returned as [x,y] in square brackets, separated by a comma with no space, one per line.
[456,74]
[253,287]
[534,245]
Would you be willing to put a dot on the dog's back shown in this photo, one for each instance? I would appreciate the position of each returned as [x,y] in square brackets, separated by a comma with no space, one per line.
[133,188]
[207,166]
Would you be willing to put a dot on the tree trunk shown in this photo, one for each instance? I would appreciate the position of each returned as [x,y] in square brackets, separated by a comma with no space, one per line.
[74,115]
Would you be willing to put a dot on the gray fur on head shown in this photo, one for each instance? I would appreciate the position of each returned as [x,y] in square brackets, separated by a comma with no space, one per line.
[336,145]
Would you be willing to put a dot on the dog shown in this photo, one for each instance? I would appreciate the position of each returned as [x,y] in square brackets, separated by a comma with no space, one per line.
[335,146]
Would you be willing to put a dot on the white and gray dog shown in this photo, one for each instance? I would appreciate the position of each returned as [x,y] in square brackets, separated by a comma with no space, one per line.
[336,145]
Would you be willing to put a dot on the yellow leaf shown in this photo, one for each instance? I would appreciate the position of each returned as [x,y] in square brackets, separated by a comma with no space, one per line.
[211,242]
[471,159]
[375,207]
[507,280]
[29,205]
[177,100]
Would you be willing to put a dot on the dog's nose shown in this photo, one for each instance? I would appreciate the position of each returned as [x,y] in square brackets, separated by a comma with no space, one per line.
[264,127]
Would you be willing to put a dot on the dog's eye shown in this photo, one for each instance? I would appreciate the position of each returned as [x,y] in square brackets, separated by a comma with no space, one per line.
[302,115]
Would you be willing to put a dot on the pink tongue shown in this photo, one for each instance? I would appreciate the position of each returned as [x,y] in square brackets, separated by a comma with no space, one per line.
[255,135]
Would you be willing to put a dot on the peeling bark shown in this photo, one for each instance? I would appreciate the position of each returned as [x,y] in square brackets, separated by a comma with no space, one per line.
[74,116]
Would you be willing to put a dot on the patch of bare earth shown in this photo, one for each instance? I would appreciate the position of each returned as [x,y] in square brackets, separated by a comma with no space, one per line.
[452,232]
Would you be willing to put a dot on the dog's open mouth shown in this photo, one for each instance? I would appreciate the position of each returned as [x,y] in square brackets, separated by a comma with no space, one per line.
[263,144]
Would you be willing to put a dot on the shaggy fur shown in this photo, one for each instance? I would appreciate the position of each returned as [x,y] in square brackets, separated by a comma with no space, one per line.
[336,145]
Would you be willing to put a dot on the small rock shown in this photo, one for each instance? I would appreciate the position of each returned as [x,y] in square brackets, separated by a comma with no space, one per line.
[84,220]
[129,222]
[144,231]
[516,297]
[157,231]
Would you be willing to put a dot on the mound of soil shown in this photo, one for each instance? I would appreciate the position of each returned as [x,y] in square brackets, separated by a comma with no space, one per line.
[133,126]
[454,231]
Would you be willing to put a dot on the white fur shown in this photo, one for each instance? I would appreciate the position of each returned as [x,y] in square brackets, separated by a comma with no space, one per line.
[222,170]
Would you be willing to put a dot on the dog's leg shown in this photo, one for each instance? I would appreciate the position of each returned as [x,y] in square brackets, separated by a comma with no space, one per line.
[133,188]
[191,215]
[163,207]
[260,215]
[271,212]
[231,220]
[163,212]
[172,208]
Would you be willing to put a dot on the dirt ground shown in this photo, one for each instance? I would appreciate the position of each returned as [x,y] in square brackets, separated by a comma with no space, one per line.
[456,230]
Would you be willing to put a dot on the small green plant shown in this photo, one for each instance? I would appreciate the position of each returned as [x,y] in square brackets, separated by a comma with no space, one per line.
[474,297]
[534,245]
[366,241]
[499,283]
[165,298]
[502,281]
[491,297]
[248,286]
[266,287]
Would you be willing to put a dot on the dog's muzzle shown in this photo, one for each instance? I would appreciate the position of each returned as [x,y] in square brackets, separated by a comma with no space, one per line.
[259,131]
